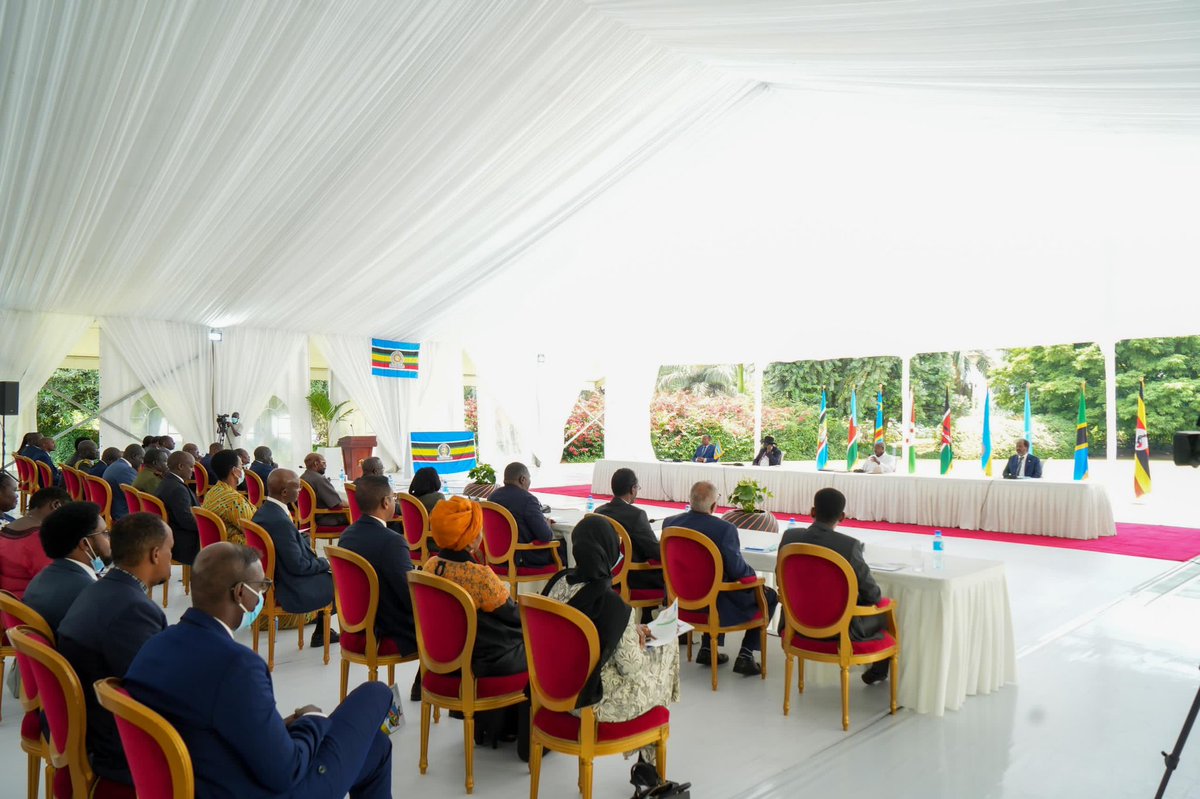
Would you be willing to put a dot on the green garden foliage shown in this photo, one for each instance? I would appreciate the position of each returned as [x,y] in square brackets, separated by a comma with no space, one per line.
[1171,367]
[589,446]
[55,414]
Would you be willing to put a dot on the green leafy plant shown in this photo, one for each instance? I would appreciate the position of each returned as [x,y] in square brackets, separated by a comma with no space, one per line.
[748,495]
[483,474]
[325,413]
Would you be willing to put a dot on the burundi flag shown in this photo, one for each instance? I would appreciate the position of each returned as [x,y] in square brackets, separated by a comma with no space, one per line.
[822,436]
[1028,421]
[910,435]
[1141,448]
[852,434]
[878,418]
[986,460]
[947,445]
[1081,438]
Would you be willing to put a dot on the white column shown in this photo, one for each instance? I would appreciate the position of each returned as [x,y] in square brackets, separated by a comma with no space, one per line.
[905,406]
[758,399]
[1109,348]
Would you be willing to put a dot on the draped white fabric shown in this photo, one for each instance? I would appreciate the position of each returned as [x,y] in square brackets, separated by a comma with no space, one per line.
[119,391]
[628,389]
[34,344]
[292,387]
[249,365]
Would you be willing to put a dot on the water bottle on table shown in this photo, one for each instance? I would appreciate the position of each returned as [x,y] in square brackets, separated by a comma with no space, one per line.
[791,522]
[591,504]
[939,547]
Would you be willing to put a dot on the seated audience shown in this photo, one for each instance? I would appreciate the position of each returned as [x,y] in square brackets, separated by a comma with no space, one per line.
[426,486]
[37,447]
[707,452]
[21,555]
[192,450]
[327,495]
[166,442]
[263,463]
[372,467]
[86,454]
[532,525]
[76,538]
[123,471]
[218,695]
[387,552]
[878,462]
[733,607]
[179,499]
[10,496]
[769,454]
[109,622]
[154,466]
[303,582]
[107,458]
[206,461]
[457,526]
[630,678]
[1023,465]
[828,509]
[222,497]
[637,524]
[244,462]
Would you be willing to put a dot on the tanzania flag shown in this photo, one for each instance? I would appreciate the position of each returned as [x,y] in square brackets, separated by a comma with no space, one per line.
[822,437]
[1081,439]
[911,436]
[878,418]
[394,358]
[947,445]
[852,434]
[1028,421]
[447,453]
[986,460]
[1141,448]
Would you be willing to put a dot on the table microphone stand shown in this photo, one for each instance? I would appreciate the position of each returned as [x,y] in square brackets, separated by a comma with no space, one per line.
[1172,759]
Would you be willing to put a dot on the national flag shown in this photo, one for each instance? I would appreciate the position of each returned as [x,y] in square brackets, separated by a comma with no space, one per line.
[911,435]
[986,460]
[394,358]
[717,451]
[1081,438]
[879,428]
[1028,421]
[1141,447]
[822,436]
[946,453]
[852,434]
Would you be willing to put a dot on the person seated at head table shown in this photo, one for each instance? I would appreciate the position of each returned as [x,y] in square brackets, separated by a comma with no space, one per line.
[1023,465]
[222,497]
[264,463]
[525,508]
[327,495]
[154,466]
[21,553]
[218,695]
[630,678]
[107,458]
[878,462]
[75,537]
[769,454]
[123,471]
[620,508]
[86,453]
[426,486]
[828,512]
[10,496]
[179,499]
[707,452]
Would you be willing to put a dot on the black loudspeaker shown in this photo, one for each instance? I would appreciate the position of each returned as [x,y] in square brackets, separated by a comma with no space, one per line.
[9,398]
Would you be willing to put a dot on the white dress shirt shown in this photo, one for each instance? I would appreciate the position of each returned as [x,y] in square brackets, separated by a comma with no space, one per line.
[879,464]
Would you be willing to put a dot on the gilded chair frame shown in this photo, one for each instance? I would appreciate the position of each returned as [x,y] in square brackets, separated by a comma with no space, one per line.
[38,750]
[203,515]
[419,549]
[512,576]
[113,698]
[621,579]
[99,489]
[152,504]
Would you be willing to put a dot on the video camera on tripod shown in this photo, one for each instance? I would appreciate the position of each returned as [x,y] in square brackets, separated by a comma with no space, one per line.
[228,428]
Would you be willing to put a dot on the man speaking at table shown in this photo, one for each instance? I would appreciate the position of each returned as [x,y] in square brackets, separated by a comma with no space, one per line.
[1023,465]
[879,462]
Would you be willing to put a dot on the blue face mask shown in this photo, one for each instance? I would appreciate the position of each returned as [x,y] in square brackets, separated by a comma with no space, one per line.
[250,616]
[97,562]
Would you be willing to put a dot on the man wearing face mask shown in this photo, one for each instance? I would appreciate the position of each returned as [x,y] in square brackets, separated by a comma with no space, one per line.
[109,622]
[75,537]
[218,695]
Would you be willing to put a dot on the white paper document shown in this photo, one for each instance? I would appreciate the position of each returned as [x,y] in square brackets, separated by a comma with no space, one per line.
[667,627]
[886,567]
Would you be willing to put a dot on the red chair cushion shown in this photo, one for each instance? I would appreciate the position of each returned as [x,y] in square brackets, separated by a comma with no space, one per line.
[638,594]
[528,571]
[701,616]
[485,687]
[357,643]
[566,725]
[31,726]
[749,579]
[886,602]
[831,647]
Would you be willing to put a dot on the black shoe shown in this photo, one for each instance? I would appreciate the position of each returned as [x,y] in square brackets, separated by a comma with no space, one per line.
[705,659]
[318,638]
[745,665]
[876,672]
[414,694]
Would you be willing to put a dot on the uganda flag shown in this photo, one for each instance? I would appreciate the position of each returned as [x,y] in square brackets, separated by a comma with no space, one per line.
[852,434]
[1081,438]
[1141,448]
[947,445]
[394,358]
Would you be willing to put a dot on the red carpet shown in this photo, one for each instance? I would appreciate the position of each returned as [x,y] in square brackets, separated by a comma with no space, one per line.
[1136,540]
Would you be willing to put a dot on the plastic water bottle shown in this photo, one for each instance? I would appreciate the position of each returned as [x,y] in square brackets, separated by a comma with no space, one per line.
[791,522]
[342,476]
[939,547]
[591,503]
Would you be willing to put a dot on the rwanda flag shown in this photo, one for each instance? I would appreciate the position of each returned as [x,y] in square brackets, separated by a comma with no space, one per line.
[1141,448]
[878,417]
[947,451]
[1081,438]
[822,437]
[1028,421]
[986,460]
[911,435]
[852,434]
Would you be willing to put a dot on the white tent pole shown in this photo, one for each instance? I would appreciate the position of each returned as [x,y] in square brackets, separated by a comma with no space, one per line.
[758,402]
[905,403]
[1109,348]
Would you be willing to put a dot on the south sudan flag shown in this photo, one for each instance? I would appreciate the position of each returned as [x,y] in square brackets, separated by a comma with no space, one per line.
[947,446]
[1141,447]
[1081,438]
[394,358]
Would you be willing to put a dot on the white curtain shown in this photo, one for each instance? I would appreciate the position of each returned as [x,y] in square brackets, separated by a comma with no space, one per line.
[628,390]
[32,346]
[118,392]
[249,365]
[293,387]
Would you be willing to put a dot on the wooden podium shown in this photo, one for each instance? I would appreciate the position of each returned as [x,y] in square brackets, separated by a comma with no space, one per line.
[354,450]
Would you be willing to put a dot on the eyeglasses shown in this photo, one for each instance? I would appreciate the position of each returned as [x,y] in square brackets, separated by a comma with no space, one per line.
[104,533]
[260,586]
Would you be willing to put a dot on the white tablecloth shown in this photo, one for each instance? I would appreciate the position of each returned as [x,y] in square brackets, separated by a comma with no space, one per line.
[1038,507]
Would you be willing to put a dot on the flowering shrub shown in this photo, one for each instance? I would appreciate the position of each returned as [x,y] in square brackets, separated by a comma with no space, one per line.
[589,446]
[471,414]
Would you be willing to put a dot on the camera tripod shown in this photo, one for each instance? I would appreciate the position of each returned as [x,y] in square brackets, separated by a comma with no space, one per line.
[1172,759]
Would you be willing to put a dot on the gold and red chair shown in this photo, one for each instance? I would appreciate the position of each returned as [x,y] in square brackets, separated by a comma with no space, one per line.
[73,482]
[356,594]
[562,648]
[44,474]
[200,481]
[819,594]
[352,502]
[133,499]
[260,539]
[14,613]
[414,516]
[255,491]
[501,546]
[100,492]
[27,480]
[61,697]
[209,527]
[446,623]
[158,758]
[307,512]
[152,504]
[634,597]
[693,571]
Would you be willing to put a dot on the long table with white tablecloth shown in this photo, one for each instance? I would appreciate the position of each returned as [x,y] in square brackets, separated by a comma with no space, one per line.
[1036,507]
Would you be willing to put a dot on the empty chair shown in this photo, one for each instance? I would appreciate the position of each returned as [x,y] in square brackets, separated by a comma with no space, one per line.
[99,492]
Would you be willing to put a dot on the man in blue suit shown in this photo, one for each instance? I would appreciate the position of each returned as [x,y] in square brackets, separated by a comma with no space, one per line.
[532,525]
[218,695]
[37,447]
[264,463]
[123,470]
[1023,465]
[303,582]
[733,607]
[107,458]
[76,537]
[109,622]
[706,452]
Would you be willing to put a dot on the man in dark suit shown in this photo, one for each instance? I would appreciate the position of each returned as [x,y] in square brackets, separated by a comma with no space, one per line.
[110,621]
[123,470]
[327,495]
[532,525]
[1023,465]
[733,607]
[263,463]
[218,695]
[707,451]
[828,509]
[37,447]
[303,582]
[179,499]
[76,537]
[206,461]
[107,458]
[637,524]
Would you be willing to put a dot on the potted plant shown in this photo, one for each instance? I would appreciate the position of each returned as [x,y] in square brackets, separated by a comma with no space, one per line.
[746,498]
[325,414]
[483,481]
